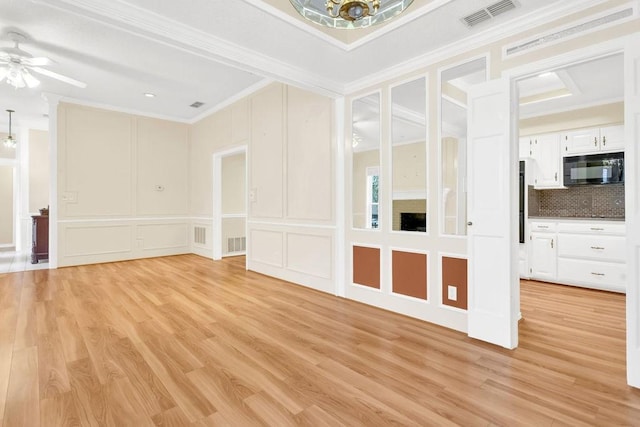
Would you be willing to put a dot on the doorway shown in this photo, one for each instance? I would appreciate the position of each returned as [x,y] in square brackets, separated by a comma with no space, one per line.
[230,203]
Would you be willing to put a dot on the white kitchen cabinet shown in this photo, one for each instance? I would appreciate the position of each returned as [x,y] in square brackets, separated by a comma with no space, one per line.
[592,254]
[593,140]
[543,251]
[525,149]
[548,161]
[612,138]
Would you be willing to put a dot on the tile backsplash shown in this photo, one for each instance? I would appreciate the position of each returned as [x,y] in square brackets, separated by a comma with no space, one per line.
[605,201]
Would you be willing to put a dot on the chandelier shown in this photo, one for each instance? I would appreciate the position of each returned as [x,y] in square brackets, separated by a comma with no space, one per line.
[349,14]
[9,141]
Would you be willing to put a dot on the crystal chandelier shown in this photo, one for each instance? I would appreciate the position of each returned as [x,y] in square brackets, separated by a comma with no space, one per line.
[9,141]
[349,13]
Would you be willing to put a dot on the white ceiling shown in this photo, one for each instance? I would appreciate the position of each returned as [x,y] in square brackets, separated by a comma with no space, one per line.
[214,50]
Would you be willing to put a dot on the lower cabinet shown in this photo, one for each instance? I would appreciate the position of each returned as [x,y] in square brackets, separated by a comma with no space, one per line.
[543,259]
[582,253]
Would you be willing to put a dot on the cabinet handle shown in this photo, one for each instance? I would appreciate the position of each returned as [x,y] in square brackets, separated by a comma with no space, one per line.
[543,226]
[598,248]
[556,177]
[604,140]
[595,141]
[551,243]
[597,229]
[597,274]
[566,148]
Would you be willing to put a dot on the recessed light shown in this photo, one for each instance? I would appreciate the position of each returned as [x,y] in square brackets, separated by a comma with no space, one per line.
[150,95]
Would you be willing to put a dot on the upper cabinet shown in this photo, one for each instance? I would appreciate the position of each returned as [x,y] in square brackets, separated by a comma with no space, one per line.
[593,140]
[545,150]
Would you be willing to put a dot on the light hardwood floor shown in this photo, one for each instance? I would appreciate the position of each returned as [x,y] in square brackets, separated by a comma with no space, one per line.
[185,341]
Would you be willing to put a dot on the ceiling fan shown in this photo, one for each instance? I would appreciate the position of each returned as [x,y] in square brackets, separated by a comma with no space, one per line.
[17,65]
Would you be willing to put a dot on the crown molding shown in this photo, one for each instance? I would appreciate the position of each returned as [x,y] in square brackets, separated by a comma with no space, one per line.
[141,22]
[475,41]
[312,28]
[237,97]
[117,109]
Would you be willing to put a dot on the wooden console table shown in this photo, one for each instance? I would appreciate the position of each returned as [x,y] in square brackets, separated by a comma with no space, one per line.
[40,240]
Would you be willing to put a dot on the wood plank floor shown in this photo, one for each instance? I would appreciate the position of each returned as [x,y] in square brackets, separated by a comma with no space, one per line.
[184,341]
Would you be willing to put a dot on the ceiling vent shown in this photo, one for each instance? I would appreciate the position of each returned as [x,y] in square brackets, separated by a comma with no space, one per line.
[489,12]
[570,32]
[197,104]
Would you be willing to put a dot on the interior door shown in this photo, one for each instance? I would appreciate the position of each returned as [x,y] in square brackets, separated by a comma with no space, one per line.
[632,207]
[492,202]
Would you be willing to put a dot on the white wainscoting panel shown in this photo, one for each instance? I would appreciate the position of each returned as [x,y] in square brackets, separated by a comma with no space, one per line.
[95,239]
[310,254]
[267,247]
[162,236]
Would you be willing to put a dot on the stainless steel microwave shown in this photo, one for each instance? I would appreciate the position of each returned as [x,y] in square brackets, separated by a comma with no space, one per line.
[595,169]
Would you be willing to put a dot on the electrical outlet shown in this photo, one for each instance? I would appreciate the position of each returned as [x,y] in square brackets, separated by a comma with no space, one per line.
[452,293]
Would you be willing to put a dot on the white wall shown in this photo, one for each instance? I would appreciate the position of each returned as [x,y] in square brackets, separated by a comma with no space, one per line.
[122,186]
[291,160]
[38,170]
[6,205]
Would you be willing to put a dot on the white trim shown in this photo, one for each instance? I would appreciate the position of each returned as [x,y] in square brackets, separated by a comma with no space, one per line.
[292,224]
[408,195]
[549,112]
[231,100]
[629,5]
[216,231]
[128,219]
[311,28]
[152,26]
[224,216]
[492,35]
[340,202]
[53,101]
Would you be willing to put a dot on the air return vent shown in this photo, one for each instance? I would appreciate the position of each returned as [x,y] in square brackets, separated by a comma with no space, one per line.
[197,104]
[200,235]
[489,12]
[236,244]
[569,32]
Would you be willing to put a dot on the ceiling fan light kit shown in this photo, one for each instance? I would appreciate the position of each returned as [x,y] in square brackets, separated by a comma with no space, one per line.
[349,14]
[16,66]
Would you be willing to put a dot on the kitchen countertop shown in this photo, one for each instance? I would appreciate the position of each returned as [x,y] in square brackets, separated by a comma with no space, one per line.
[573,218]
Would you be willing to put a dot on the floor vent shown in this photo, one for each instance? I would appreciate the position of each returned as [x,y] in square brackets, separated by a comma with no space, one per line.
[489,12]
[572,31]
[236,244]
[200,235]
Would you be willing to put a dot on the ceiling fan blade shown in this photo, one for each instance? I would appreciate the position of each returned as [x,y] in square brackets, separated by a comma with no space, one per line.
[60,77]
[37,62]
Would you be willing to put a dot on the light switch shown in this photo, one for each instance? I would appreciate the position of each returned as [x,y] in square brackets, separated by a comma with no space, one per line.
[70,196]
[452,293]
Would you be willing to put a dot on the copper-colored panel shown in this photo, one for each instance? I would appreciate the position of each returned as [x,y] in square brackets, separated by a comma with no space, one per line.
[409,274]
[366,266]
[454,273]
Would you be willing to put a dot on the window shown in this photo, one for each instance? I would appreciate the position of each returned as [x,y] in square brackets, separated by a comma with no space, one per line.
[372,197]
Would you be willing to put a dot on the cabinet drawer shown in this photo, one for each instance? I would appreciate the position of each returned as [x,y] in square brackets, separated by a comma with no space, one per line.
[601,275]
[542,226]
[599,248]
[600,227]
